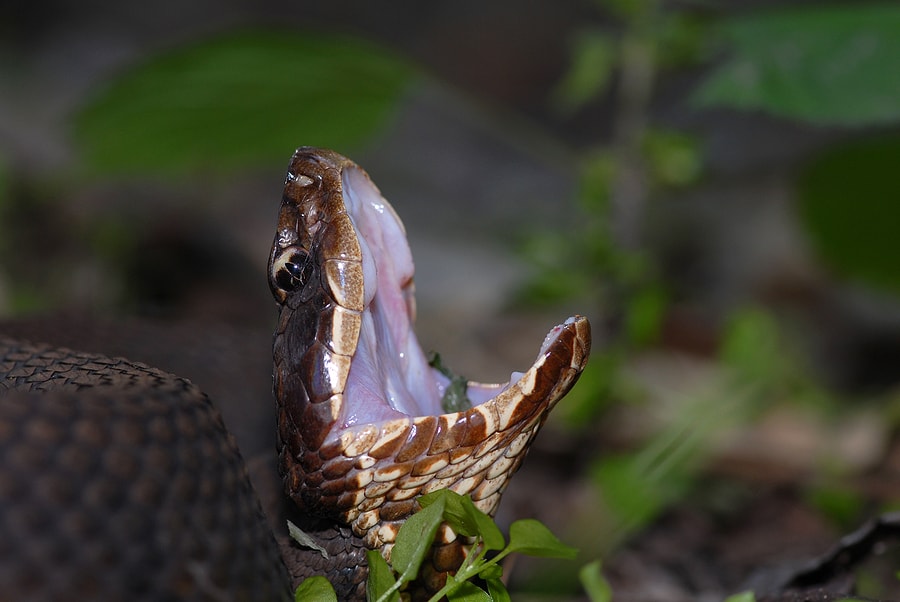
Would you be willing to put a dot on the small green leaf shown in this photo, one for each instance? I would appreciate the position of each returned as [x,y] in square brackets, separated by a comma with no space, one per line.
[528,536]
[455,512]
[441,495]
[381,578]
[491,571]
[466,519]
[490,534]
[455,398]
[315,589]
[468,592]
[594,583]
[497,590]
[415,538]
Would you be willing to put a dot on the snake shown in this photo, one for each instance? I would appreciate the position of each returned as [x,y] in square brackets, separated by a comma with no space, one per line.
[120,481]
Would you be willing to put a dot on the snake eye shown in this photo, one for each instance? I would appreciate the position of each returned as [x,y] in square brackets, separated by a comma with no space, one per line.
[291,270]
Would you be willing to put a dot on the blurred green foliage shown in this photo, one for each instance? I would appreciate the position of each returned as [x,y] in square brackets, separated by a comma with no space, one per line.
[817,65]
[593,60]
[759,368]
[849,199]
[221,105]
[828,65]
[742,597]
[240,100]
[594,583]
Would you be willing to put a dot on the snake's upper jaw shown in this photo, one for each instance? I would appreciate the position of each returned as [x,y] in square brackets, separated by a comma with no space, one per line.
[361,403]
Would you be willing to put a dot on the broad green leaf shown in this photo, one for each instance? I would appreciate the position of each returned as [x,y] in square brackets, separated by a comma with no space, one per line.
[594,583]
[315,589]
[415,538]
[381,578]
[468,592]
[240,100]
[827,65]
[850,205]
[531,537]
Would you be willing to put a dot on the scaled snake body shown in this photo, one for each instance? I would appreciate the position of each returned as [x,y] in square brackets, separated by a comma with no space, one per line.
[119,481]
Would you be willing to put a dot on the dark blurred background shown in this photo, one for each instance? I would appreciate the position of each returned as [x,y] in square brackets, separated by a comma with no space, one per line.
[712,183]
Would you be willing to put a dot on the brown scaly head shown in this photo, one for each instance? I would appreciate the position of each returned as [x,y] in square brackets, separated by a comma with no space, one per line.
[362,431]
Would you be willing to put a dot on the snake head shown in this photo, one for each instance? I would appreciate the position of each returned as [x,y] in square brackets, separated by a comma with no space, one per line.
[362,431]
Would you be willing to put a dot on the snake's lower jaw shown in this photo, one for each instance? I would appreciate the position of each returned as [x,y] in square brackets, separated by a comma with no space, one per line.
[363,433]
[376,470]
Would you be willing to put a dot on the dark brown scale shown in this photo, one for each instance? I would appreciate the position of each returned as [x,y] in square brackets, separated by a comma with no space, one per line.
[133,491]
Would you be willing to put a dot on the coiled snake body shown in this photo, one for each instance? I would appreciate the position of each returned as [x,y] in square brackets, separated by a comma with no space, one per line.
[119,481]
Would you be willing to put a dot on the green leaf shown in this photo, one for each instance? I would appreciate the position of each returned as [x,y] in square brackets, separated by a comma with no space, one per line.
[827,65]
[415,538]
[381,578]
[594,583]
[491,537]
[850,205]
[531,537]
[465,518]
[315,589]
[239,100]
[497,590]
[468,592]
[455,398]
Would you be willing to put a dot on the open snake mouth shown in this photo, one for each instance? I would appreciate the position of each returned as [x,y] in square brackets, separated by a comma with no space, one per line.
[363,411]
[390,376]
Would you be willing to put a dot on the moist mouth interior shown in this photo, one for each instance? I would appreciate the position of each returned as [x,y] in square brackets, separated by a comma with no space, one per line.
[390,376]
